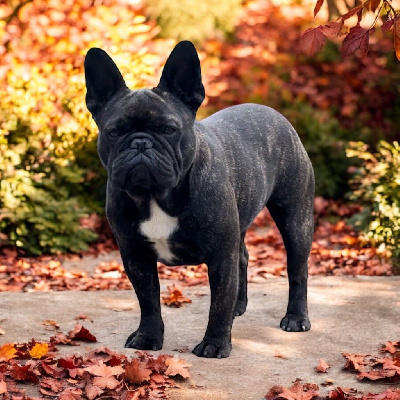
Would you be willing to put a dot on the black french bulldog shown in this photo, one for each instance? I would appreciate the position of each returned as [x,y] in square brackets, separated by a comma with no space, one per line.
[184,192]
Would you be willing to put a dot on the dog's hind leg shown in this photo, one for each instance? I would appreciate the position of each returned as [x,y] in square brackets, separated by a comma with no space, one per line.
[294,218]
[241,302]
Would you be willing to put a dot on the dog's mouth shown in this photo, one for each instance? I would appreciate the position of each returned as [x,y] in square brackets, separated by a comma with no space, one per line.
[144,167]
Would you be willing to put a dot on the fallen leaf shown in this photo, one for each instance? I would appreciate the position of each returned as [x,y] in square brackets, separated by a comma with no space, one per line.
[81,333]
[3,387]
[106,382]
[92,391]
[136,372]
[7,352]
[104,370]
[322,366]
[174,297]
[177,366]
[50,322]
[2,331]
[23,373]
[297,391]
[39,350]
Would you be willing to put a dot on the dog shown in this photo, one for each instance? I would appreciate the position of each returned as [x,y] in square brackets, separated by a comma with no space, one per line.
[182,191]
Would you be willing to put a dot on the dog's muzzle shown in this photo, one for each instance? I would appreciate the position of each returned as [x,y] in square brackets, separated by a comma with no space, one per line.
[145,163]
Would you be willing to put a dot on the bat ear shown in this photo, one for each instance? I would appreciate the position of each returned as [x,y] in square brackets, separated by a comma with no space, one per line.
[181,75]
[103,79]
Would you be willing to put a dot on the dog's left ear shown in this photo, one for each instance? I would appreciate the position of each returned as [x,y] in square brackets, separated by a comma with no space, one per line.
[182,75]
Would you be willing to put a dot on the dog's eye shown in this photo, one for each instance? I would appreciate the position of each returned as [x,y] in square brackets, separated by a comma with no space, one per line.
[113,133]
[169,130]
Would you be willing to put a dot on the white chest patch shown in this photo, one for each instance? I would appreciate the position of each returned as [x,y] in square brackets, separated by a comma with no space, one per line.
[157,229]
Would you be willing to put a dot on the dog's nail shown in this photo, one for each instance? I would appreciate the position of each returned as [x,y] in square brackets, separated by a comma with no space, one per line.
[303,328]
[219,356]
[154,347]
[288,329]
[284,327]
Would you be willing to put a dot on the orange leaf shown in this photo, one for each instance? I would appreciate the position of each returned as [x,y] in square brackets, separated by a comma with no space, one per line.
[104,371]
[176,366]
[39,350]
[396,36]
[7,352]
[322,366]
[136,372]
[312,41]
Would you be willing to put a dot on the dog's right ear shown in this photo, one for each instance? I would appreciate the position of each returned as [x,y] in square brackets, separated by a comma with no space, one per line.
[103,79]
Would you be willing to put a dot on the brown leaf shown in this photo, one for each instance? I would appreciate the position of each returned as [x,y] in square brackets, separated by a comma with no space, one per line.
[136,372]
[318,6]
[7,352]
[92,391]
[332,29]
[81,333]
[312,41]
[177,366]
[358,38]
[396,38]
[104,370]
[297,391]
[354,361]
[106,382]
[3,387]
[391,347]
[52,384]
[50,322]
[322,366]
[71,394]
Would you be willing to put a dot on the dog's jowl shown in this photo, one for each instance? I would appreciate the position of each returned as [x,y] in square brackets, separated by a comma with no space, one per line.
[184,192]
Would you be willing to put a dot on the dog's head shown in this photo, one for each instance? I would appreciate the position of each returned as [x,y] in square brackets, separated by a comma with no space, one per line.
[146,138]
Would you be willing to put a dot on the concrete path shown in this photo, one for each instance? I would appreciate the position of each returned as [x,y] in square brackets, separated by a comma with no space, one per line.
[348,314]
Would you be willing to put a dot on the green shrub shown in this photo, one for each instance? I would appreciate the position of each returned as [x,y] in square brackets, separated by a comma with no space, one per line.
[325,143]
[377,187]
[192,19]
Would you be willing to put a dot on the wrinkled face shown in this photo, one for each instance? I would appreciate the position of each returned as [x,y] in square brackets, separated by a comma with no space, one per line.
[146,140]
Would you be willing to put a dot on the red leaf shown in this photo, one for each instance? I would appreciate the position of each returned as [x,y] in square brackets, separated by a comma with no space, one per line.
[332,29]
[136,372]
[23,373]
[358,38]
[352,12]
[81,333]
[312,41]
[374,4]
[387,25]
[306,391]
[318,7]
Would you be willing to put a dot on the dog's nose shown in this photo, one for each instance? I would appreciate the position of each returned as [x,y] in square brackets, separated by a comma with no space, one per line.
[141,144]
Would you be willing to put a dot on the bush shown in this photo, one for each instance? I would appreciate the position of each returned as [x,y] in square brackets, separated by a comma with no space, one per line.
[50,173]
[192,19]
[377,187]
[325,143]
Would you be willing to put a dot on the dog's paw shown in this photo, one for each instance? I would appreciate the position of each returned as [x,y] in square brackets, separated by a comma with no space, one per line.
[295,323]
[213,349]
[144,341]
[240,307]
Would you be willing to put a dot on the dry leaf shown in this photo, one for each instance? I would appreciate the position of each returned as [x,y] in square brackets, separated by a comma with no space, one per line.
[322,366]
[7,352]
[177,366]
[39,350]
[136,372]
[3,387]
[81,333]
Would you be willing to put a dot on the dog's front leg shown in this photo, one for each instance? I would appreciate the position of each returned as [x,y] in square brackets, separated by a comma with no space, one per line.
[223,277]
[141,268]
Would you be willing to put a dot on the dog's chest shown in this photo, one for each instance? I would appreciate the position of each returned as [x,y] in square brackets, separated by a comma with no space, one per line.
[158,230]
